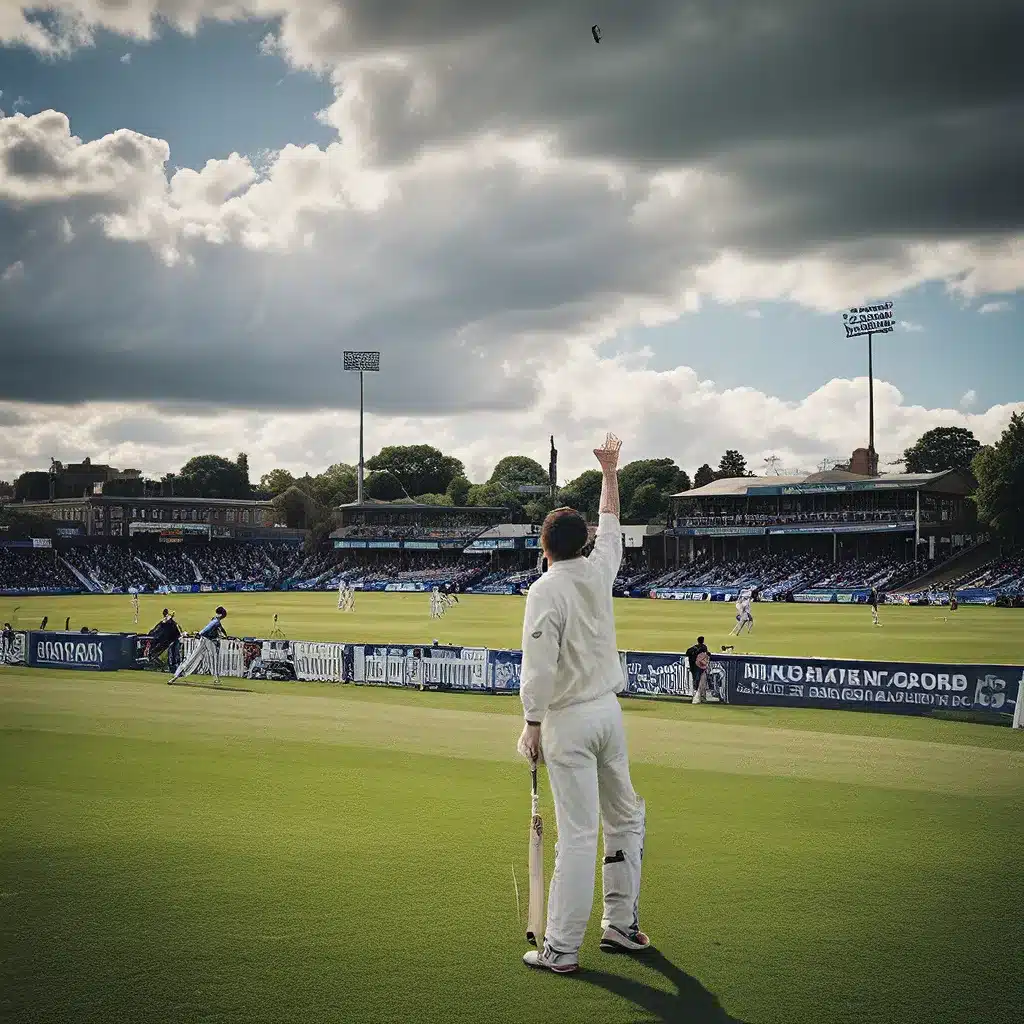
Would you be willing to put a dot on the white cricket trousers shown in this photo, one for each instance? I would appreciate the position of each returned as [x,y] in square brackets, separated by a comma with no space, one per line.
[584,748]
[207,651]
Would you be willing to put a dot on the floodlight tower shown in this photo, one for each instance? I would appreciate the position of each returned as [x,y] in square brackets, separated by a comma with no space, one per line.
[361,362]
[870,320]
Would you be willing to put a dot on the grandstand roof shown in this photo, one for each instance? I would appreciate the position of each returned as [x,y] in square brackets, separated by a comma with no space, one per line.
[950,481]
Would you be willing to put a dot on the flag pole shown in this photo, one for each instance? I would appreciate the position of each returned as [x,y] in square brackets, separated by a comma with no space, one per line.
[871,408]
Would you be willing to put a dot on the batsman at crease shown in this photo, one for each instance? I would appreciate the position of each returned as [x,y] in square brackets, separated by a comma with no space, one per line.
[571,675]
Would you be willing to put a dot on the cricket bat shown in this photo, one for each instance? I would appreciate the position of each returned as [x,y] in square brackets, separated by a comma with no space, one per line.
[535,920]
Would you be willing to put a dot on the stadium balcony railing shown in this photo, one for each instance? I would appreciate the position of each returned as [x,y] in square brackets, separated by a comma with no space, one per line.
[742,519]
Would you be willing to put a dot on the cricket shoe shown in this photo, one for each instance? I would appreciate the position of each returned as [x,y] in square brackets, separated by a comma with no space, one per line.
[548,959]
[615,940]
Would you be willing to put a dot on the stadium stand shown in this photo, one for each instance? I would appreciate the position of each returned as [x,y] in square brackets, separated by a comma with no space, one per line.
[774,577]
[31,569]
[879,573]
[505,581]
[1003,575]
[111,568]
[783,538]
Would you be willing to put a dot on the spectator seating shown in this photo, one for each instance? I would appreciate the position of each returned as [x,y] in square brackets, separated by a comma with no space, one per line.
[34,568]
[1004,574]
[775,576]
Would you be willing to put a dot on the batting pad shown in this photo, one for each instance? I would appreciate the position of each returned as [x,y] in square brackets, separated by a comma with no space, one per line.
[623,857]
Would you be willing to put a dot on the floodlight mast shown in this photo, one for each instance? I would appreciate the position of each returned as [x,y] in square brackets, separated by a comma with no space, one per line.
[361,362]
[870,320]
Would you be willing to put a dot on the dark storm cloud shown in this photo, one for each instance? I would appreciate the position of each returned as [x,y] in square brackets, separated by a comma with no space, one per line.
[139,429]
[104,320]
[189,334]
[860,122]
[869,113]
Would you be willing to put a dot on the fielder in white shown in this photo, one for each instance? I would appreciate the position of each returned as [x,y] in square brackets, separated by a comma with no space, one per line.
[744,616]
[571,674]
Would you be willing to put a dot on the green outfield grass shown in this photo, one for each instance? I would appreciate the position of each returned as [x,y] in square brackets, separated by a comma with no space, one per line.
[982,635]
[330,853]
[307,852]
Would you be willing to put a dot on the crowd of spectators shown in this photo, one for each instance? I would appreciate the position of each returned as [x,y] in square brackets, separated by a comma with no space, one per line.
[775,576]
[457,574]
[222,562]
[114,567]
[754,573]
[502,580]
[1004,574]
[878,573]
[34,569]
[110,567]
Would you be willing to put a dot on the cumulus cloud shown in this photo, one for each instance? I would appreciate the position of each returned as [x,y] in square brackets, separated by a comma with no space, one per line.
[503,198]
[1000,306]
[969,399]
[671,412]
[126,58]
[909,325]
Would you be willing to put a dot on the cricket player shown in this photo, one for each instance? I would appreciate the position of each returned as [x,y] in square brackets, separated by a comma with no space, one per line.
[208,648]
[874,607]
[6,644]
[744,616]
[571,674]
[698,656]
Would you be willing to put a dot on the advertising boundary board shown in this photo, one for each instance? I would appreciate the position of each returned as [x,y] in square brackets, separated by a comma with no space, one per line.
[693,593]
[760,680]
[97,652]
[881,686]
[833,595]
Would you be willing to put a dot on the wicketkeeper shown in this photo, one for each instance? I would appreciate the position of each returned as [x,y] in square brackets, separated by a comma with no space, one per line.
[207,650]
[571,674]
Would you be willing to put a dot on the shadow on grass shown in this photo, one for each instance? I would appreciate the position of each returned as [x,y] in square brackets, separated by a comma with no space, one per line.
[691,1003]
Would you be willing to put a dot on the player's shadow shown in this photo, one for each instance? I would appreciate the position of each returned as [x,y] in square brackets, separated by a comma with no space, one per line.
[691,1003]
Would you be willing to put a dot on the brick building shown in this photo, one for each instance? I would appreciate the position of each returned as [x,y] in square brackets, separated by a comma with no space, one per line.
[115,517]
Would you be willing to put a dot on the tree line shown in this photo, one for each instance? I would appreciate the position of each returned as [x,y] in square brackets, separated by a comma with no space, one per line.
[424,474]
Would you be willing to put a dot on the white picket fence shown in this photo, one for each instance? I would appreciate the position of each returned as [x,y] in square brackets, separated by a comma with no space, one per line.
[319,662]
[231,657]
[468,672]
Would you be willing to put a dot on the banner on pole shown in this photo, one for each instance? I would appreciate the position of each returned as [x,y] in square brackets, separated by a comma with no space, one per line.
[362,362]
[878,319]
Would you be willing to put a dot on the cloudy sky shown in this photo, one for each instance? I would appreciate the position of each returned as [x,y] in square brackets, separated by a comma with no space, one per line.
[203,202]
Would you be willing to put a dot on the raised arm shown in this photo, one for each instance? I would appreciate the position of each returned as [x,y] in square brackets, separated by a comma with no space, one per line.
[607,553]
